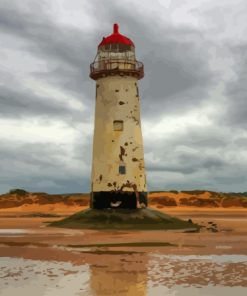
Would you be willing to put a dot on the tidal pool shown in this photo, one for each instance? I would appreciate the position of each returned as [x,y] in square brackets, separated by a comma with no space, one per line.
[136,274]
[12,232]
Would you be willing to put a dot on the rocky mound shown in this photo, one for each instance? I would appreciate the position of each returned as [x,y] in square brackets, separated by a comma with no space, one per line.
[124,219]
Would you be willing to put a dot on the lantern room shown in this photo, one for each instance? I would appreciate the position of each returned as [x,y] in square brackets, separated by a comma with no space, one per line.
[116,55]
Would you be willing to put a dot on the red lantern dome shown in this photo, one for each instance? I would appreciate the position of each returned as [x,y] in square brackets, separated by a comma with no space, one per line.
[116,56]
[116,37]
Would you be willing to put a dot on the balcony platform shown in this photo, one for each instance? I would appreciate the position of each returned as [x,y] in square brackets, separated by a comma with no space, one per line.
[105,68]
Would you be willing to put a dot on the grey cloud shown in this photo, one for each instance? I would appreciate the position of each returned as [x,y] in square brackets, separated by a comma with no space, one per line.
[44,37]
[202,158]
[177,73]
[227,178]
[186,163]
[40,167]
[178,78]
[235,113]
[177,70]
[16,103]
[65,50]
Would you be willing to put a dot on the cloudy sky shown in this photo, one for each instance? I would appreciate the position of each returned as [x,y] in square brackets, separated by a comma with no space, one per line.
[193,95]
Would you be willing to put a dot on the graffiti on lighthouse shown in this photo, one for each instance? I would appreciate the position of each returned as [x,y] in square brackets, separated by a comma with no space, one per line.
[118,177]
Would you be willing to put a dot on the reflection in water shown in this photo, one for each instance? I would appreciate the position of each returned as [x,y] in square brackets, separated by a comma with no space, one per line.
[119,275]
[42,278]
[198,271]
[126,274]
[156,274]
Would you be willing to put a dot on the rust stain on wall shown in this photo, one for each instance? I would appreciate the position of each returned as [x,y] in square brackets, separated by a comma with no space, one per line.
[128,184]
[122,152]
[134,159]
[110,146]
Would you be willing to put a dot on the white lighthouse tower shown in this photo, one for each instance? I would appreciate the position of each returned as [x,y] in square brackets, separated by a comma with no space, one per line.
[118,174]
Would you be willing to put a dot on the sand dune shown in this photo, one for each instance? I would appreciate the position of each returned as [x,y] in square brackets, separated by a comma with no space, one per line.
[20,201]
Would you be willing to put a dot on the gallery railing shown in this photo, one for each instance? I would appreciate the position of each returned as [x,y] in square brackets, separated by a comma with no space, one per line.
[116,66]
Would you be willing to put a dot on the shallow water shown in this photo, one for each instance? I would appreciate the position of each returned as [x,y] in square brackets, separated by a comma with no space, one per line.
[13,232]
[205,258]
[35,277]
[142,274]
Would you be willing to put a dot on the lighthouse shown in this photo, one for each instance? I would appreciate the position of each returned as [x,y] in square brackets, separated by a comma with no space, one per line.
[118,178]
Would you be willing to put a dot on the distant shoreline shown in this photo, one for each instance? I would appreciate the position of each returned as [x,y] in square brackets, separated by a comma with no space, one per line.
[21,201]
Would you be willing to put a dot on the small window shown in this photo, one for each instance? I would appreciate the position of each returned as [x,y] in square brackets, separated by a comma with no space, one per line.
[118,125]
[122,169]
[137,91]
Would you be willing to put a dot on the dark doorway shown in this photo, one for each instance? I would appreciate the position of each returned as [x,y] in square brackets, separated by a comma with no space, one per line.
[113,200]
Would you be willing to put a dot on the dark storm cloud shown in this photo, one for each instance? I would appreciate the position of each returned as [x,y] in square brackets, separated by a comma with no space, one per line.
[203,158]
[208,174]
[178,78]
[40,167]
[64,49]
[235,112]
[177,73]
[187,164]
[45,38]
[33,154]
[187,160]
[16,102]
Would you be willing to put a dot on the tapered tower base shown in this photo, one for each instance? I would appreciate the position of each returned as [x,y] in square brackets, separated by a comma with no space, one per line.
[118,199]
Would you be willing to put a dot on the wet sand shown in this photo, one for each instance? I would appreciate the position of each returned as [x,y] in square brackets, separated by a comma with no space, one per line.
[54,261]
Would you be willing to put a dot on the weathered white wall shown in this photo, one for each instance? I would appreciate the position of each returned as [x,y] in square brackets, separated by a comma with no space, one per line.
[117,99]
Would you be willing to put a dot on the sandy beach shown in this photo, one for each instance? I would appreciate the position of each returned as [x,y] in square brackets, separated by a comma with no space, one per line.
[90,262]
